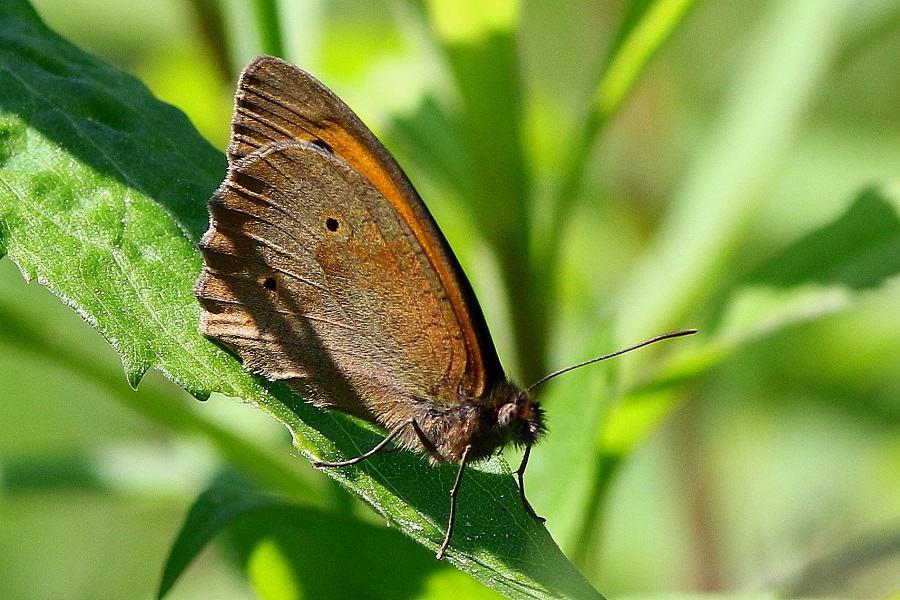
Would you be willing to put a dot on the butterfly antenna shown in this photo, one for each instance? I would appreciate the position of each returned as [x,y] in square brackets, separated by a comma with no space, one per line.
[658,338]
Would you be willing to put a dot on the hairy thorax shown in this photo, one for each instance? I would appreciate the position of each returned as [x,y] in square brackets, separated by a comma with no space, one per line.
[485,425]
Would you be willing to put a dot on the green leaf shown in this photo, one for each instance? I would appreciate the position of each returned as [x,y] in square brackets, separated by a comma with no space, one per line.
[859,250]
[98,198]
[213,510]
[820,274]
[103,195]
[823,272]
[294,551]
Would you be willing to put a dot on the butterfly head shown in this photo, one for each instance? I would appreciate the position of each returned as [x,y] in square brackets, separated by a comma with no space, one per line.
[519,418]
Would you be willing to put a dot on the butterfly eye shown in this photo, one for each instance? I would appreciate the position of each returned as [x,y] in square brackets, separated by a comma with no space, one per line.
[507,414]
[269,283]
[332,224]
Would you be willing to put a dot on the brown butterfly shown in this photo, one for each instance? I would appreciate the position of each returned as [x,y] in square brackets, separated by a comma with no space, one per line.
[324,269]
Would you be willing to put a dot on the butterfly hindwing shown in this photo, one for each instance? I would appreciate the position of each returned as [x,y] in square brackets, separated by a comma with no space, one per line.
[326,288]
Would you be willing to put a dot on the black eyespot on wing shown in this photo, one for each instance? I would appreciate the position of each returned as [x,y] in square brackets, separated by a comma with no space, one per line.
[331,224]
[270,284]
[324,146]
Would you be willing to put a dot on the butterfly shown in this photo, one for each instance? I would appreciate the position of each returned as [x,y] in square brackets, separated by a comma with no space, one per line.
[324,269]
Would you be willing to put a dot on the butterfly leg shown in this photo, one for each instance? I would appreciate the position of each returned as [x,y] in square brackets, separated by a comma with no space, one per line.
[427,444]
[520,472]
[453,493]
[378,448]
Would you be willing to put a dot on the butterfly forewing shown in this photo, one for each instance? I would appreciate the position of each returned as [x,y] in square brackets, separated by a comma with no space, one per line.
[276,102]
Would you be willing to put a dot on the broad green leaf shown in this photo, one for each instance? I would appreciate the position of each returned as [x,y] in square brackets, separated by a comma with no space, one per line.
[98,197]
[102,198]
[292,551]
[825,271]
[859,250]
[213,510]
[818,275]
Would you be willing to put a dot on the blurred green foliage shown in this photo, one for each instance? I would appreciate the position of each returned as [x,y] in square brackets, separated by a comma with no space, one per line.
[601,182]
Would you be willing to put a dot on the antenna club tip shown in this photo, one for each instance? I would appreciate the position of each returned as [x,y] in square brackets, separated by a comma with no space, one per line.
[670,335]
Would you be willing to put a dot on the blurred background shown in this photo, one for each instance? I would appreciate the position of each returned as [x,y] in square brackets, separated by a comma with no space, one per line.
[757,127]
